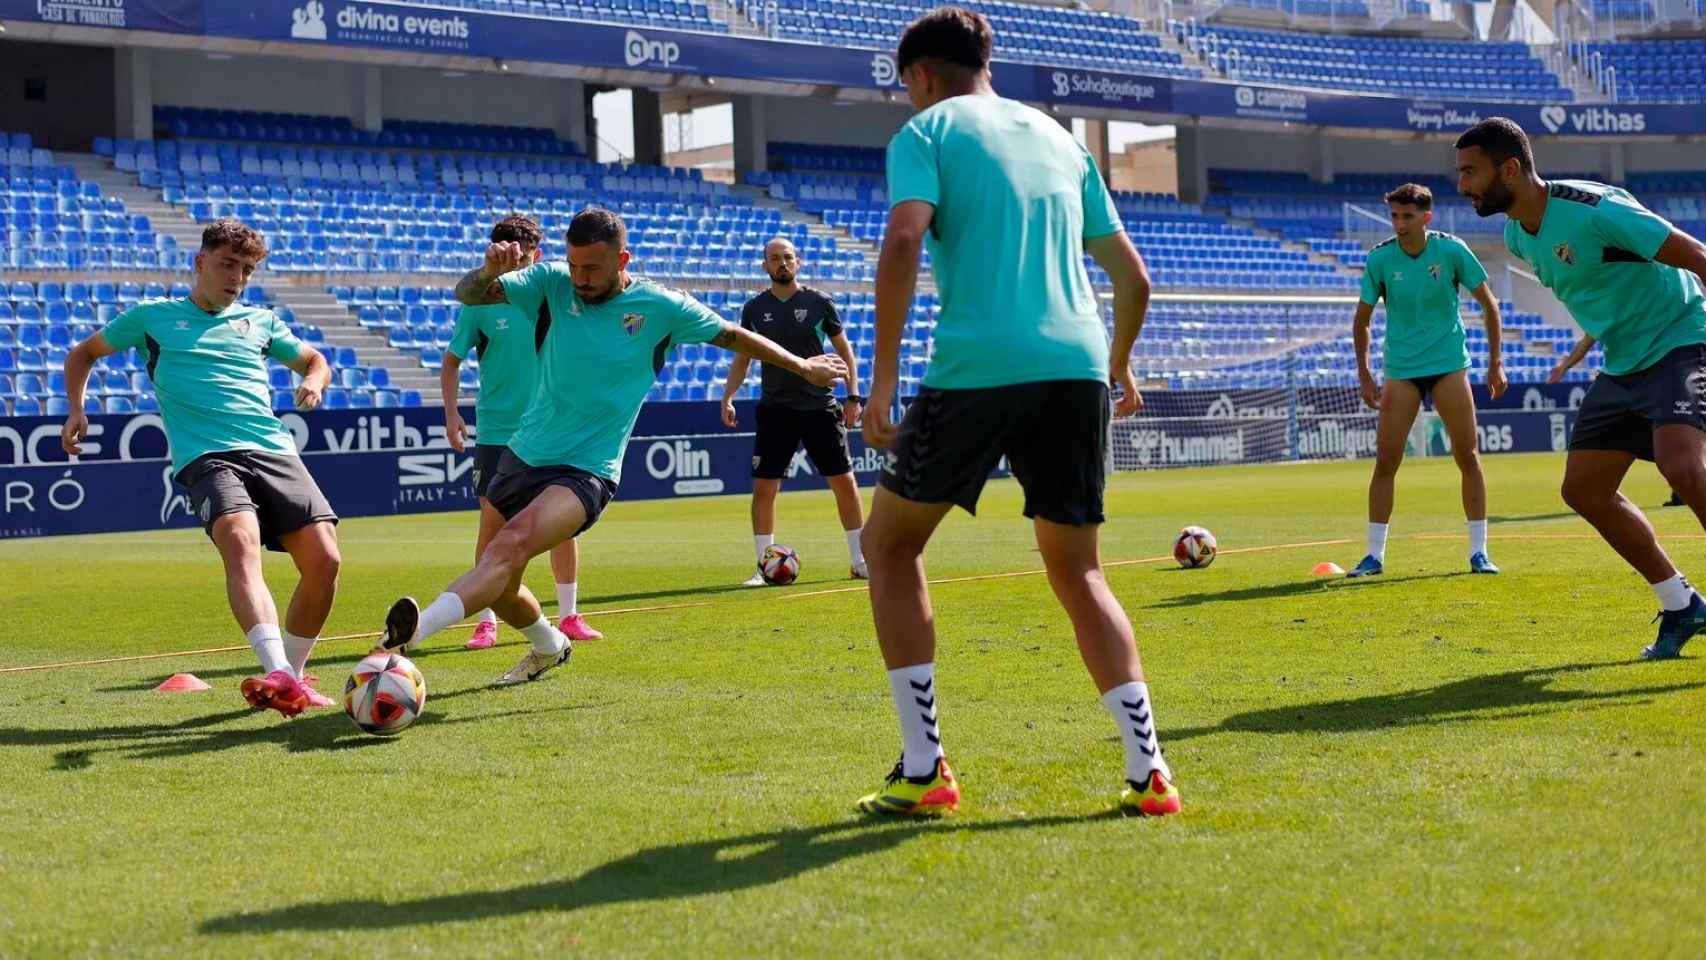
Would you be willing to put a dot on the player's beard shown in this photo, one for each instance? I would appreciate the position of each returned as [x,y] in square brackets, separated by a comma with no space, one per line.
[602,295]
[782,277]
[1496,199]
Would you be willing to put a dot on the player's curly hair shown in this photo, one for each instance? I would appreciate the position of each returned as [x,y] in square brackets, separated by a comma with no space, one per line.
[597,225]
[949,35]
[517,228]
[1414,194]
[235,234]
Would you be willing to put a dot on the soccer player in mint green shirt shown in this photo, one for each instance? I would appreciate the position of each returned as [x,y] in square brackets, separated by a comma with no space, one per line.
[1634,283]
[1009,204]
[609,335]
[507,343]
[207,359]
[1418,272]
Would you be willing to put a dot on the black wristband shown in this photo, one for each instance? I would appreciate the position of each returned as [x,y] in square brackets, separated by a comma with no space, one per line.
[855,398]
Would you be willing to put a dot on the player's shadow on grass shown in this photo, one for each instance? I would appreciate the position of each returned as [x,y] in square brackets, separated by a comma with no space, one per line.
[708,591]
[1292,588]
[722,865]
[1515,693]
[324,730]
[1528,517]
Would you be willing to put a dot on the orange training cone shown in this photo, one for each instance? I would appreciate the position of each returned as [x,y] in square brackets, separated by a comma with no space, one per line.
[1327,568]
[183,683]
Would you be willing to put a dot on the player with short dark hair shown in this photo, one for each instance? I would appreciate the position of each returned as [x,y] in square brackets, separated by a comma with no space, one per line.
[1418,272]
[1008,203]
[1634,283]
[507,343]
[207,359]
[792,412]
[610,334]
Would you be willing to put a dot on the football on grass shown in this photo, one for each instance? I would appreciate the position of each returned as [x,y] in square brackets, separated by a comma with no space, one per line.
[1194,547]
[384,694]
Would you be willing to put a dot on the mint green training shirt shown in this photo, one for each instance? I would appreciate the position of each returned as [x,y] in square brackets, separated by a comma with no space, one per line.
[596,365]
[507,342]
[210,374]
[1424,325]
[1016,197]
[1596,250]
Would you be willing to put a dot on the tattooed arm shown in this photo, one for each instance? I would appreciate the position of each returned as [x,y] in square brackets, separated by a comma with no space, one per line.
[480,286]
[822,370]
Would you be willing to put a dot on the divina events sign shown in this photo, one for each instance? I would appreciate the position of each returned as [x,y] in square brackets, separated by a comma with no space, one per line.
[382,25]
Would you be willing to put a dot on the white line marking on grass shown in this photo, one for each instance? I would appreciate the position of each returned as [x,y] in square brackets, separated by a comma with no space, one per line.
[337,639]
[1116,563]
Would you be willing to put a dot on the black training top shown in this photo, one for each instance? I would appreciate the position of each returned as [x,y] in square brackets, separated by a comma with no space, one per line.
[799,325]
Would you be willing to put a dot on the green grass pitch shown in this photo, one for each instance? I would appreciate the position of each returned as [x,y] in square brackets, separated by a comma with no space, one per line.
[1426,763]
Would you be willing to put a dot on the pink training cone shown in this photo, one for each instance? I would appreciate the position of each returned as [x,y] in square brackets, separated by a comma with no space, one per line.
[183,683]
[1327,568]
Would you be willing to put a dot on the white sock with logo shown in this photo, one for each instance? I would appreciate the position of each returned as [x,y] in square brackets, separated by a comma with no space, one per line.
[855,555]
[545,638]
[269,647]
[1477,537]
[441,613]
[1377,541]
[1135,716]
[566,599]
[1673,594]
[296,650]
[761,541]
[914,692]
[487,616]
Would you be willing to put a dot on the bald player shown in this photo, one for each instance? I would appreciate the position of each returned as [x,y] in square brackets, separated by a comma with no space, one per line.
[793,411]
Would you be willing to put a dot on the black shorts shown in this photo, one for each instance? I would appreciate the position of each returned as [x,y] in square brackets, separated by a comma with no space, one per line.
[1425,385]
[515,484]
[1054,434]
[1621,412]
[276,487]
[781,431]
[486,457]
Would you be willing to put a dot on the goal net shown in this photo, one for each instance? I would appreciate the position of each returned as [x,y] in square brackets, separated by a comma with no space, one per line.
[1250,379]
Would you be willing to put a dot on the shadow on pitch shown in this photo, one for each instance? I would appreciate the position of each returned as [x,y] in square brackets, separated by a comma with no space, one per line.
[1495,518]
[1292,588]
[329,667]
[322,730]
[1514,693]
[722,865]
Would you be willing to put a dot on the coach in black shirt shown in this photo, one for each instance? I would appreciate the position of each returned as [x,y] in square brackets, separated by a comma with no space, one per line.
[793,412]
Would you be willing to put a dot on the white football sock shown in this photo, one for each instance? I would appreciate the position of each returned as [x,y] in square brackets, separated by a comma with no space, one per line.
[441,613]
[269,647]
[759,542]
[1673,594]
[565,599]
[914,692]
[1477,537]
[544,637]
[855,556]
[1135,716]
[296,650]
[1377,541]
[487,616]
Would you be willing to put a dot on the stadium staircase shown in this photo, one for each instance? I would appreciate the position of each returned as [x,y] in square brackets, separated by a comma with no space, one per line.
[314,305]
[813,223]
[739,24]
[140,200]
[305,298]
[1579,82]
